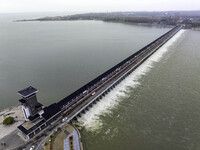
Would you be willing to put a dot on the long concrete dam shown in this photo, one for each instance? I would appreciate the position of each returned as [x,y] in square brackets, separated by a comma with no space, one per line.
[83,98]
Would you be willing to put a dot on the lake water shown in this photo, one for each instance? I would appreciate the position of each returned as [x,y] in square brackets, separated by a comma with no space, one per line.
[60,57]
[155,108]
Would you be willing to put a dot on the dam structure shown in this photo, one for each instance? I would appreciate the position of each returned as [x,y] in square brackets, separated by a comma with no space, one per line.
[79,101]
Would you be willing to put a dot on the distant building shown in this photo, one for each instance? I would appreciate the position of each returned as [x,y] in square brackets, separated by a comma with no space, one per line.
[30,106]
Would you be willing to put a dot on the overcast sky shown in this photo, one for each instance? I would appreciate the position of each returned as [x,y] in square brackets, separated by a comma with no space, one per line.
[96,5]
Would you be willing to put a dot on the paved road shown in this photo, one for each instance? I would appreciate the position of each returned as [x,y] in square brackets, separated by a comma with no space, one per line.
[12,141]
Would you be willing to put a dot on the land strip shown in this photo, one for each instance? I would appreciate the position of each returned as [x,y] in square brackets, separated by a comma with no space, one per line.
[190,19]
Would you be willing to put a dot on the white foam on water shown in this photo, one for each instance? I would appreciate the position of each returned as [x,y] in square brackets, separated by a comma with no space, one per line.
[160,53]
[91,119]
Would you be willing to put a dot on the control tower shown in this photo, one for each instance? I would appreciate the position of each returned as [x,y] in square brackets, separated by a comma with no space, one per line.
[30,106]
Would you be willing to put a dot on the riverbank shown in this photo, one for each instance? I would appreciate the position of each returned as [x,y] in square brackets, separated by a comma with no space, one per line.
[16,113]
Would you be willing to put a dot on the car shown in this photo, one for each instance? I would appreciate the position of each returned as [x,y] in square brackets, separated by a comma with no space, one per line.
[64,119]
[85,92]
[32,147]
[93,93]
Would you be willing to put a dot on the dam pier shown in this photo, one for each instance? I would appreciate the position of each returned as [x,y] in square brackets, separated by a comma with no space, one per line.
[38,118]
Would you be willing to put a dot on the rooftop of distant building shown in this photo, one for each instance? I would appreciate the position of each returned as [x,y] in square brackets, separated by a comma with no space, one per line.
[27,91]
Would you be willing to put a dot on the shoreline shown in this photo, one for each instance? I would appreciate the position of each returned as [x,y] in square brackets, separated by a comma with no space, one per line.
[124,22]
[9,107]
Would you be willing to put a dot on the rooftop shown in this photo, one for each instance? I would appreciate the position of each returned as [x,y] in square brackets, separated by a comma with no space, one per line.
[50,111]
[29,124]
[28,127]
[22,101]
[28,91]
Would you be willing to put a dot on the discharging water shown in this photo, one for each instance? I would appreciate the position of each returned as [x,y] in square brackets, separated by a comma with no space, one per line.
[156,107]
[91,121]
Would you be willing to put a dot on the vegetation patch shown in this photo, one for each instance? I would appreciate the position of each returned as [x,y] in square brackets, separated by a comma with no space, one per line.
[8,120]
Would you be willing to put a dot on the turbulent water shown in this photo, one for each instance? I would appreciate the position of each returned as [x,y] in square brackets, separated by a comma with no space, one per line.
[90,120]
[155,108]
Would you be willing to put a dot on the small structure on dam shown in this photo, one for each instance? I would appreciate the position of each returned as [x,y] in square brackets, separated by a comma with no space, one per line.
[30,106]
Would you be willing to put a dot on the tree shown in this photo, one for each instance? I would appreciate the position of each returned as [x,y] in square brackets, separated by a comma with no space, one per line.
[59,129]
[8,120]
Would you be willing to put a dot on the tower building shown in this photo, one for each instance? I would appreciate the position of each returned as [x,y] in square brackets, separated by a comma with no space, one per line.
[30,106]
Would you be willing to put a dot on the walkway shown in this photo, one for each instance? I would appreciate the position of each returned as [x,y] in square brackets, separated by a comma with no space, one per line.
[76,144]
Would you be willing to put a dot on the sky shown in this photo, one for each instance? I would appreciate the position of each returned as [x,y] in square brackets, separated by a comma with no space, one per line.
[12,6]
